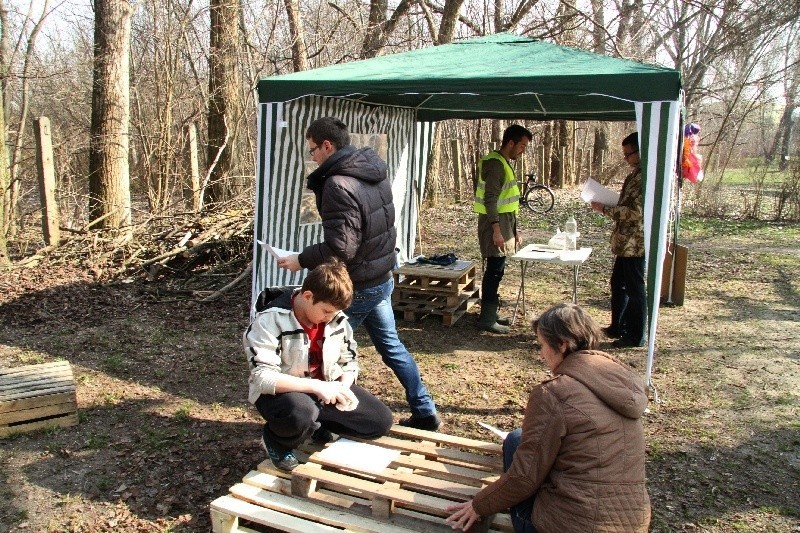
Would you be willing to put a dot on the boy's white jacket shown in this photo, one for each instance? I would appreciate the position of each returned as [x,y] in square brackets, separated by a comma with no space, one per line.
[276,343]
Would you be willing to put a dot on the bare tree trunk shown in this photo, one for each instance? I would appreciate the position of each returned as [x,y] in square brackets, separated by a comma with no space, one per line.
[109,180]
[224,82]
[299,50]
[447,27]
[599,147]
[3,176]
[783,134]
[19,135]
[550,163]
[4,55]
[379,27]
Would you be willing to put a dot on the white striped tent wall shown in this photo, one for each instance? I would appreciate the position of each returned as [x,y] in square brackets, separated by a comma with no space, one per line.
[658,124]
[281,175]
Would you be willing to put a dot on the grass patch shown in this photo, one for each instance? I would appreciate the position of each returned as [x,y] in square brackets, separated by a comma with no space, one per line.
[113,363]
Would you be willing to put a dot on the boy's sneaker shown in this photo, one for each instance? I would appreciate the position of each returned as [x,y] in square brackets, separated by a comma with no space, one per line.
[323,436]
[428,423]
[283,460]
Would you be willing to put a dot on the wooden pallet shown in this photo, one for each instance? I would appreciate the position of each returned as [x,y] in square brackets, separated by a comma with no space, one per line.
[416,305]
[448,281]
[37,396]
[432,471]
[430,289]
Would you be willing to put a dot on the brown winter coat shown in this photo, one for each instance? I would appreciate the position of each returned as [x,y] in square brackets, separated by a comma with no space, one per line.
[582,451]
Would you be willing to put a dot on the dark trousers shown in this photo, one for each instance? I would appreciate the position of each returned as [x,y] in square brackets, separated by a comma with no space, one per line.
[293,416]
[492,276]
[521,514]
[629,299]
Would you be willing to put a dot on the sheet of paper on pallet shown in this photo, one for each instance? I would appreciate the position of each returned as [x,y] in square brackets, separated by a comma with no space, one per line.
[594,192]
[358,455]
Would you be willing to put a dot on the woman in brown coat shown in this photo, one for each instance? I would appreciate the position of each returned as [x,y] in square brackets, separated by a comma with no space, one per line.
[577,463]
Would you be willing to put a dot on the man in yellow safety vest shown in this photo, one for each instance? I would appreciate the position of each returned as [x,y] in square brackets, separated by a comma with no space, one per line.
[497,205]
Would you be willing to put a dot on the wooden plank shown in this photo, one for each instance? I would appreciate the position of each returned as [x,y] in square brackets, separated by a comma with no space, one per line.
[446,488]
[36,401]
[28,369]
[30,382]
[230,506]
[311,510]
[436,270]
[443,438]
[64,421]
[429,504]
[472,460]
[7,397]
[44,411]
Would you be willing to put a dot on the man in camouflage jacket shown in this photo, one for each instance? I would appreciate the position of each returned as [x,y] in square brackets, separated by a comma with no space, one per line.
[628,293]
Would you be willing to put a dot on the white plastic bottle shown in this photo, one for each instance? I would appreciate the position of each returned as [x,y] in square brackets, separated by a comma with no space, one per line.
[571,231]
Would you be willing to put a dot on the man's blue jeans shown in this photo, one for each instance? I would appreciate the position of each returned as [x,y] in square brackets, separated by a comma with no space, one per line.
[373,308]
[522,512]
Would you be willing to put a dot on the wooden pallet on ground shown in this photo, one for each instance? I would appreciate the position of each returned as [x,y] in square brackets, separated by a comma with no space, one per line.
[416,305]
[431,472]
[37,396]
[430,289]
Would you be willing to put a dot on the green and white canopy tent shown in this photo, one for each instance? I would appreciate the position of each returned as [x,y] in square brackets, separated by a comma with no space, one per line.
[394,101]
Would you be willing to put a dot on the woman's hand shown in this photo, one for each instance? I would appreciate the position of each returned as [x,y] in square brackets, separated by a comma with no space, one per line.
[463,516]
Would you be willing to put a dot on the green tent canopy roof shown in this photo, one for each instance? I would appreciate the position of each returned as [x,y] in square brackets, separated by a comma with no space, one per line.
[498,76]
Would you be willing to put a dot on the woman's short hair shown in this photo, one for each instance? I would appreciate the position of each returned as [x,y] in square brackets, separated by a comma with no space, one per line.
[568,323]
[330,283]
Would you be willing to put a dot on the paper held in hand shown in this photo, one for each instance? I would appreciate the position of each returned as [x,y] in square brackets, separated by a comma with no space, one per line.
[277,253]
[594,192]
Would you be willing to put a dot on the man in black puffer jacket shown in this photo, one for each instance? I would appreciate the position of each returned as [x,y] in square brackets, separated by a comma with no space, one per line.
[354,200]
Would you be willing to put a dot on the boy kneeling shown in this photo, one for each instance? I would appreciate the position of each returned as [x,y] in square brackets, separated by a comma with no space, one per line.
[303,367]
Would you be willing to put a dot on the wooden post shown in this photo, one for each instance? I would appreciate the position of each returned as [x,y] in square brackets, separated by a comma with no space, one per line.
[458,170]
[194,166]
[541,170]
[47,180]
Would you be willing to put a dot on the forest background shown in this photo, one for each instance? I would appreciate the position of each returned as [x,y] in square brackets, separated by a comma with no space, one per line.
[151,110]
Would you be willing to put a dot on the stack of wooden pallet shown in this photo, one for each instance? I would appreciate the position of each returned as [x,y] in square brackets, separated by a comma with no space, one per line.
[37,396]
[449,291]
[430,472]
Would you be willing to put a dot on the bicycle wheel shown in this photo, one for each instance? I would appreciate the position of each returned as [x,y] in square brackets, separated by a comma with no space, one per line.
[540,199]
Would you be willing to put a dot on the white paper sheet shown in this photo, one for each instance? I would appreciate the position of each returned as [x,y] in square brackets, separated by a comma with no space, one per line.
[499,432]
[358,455]
[594,192]
[277,253]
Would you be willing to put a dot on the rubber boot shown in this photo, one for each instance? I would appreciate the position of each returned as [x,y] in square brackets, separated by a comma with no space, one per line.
[488,318]
[501,320]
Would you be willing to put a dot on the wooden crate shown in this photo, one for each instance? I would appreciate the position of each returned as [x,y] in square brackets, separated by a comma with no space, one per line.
[432,471]
[447,291]
[37,396]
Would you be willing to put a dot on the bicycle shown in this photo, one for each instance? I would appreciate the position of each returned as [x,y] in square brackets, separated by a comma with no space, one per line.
[536,196]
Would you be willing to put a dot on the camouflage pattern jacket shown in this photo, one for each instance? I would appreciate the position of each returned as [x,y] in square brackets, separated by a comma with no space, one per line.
[627,235]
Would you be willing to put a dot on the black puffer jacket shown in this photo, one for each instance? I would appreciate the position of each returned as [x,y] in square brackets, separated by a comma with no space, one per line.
[354,199]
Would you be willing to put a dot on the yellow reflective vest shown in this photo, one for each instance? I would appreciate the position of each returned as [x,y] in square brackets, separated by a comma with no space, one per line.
[508,200]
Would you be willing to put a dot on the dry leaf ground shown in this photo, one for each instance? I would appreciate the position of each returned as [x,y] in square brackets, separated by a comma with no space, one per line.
[165,427]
